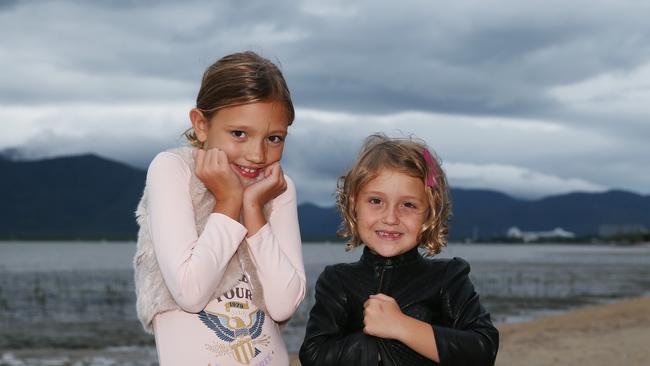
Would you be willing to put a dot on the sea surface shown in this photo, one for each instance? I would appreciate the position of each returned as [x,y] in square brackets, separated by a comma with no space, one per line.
[73,303]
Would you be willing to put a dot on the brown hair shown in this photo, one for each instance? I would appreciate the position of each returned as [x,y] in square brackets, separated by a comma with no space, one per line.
[240,78]
[404,155]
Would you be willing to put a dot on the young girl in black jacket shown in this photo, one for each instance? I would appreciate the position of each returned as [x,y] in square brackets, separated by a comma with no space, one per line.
[394,307]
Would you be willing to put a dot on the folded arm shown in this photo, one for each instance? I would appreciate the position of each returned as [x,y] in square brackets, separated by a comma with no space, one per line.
[191,264]
[277,253]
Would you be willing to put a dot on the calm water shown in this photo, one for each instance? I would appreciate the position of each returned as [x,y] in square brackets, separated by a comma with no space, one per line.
[58,296]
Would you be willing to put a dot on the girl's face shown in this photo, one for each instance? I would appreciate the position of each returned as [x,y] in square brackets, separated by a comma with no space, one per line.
[252,135]
[390,210]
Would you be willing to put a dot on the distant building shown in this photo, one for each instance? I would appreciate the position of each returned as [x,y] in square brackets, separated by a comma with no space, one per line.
[528,236]
[621,229]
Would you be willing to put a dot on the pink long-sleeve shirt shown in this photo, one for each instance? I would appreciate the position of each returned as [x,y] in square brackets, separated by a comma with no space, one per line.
[229,330]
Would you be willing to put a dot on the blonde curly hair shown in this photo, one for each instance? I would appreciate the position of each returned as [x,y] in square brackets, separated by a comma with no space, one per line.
[405,155]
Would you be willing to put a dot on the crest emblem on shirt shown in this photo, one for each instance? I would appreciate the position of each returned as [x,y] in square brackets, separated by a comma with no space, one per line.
[240,330]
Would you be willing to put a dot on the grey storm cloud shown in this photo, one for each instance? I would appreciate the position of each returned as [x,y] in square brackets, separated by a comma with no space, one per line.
[582,66]
[361,56]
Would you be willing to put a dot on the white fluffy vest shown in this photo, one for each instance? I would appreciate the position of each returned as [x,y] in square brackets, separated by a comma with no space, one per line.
[153,297]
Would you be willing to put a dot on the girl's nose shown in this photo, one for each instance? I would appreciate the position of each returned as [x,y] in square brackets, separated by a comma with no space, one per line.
[390,216]
[256,153]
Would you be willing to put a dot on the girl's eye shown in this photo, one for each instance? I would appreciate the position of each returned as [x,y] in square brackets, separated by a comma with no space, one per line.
[409,205]
[374,201]
[276,139]
[238,134]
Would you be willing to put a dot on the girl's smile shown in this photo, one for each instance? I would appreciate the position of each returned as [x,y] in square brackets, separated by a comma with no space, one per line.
[251,173]
[388,235]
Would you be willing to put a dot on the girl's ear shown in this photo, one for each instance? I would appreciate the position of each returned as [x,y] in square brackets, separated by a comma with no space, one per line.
[200,124]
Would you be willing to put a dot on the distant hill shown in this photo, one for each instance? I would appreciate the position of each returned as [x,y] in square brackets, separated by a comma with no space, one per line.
[490,214]
[481,214]
[69,197]
[88,196]
[318,223]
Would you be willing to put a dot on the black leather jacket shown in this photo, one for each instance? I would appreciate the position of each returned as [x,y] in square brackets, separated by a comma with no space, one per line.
[436,291]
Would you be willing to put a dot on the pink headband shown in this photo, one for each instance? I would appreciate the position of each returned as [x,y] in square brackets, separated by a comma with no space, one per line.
[431,177]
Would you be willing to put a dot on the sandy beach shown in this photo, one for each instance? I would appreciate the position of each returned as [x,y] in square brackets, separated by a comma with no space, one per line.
[611,334]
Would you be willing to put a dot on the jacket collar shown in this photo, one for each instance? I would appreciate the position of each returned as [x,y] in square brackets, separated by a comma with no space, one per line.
[375,260]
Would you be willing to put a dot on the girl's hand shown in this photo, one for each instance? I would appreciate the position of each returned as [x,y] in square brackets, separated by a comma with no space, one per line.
[256,195]
[271,185]
[382,317]
[213,169]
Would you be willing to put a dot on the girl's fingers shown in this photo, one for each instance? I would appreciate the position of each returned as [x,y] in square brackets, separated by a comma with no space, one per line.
[222,158]
[371,303]
[198,160]
[210,160]
[273,175]
[280,172]
[270,170]
[278,176]
[382,297]
[277,171]
[283,182]
[213,160]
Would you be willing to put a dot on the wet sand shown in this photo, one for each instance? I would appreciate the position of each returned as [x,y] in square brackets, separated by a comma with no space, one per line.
[611,334]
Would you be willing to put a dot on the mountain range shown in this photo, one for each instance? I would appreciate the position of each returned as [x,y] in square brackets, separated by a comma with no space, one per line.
[91,197]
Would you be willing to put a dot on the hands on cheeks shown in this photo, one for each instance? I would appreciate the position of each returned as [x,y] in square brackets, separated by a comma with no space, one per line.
[270,185]
[214,169]
[382,317]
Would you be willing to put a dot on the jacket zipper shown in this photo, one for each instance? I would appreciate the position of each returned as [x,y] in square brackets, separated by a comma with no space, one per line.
[382,344]
[381,280]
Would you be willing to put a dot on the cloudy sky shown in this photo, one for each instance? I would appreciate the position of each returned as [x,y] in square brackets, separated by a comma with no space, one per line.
[531,98]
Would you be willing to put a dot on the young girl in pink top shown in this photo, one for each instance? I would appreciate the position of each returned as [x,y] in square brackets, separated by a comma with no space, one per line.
[219,262]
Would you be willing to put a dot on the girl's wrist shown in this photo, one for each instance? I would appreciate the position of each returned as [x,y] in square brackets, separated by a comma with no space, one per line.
[229,206]
[230,196]
[252,203]
[252,209]
[253,219]
[402,330]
